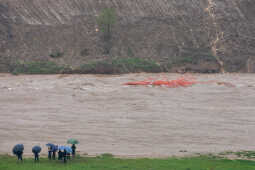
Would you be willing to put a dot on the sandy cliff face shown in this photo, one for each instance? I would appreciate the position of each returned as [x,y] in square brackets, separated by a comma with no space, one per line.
[158,29]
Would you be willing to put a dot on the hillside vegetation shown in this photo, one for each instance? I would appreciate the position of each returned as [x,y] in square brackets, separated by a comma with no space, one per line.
[179,35]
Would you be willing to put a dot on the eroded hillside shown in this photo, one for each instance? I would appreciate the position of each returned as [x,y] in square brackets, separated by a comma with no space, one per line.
[157,29]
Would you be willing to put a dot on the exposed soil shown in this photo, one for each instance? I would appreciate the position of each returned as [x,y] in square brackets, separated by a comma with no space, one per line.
[108,117]
[161,30]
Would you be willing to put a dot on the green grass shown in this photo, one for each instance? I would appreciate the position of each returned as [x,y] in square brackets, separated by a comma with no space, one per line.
[109,163]
[192,56]
[39,67]
[108,66]
[120,65]
[240,154]
[246,154]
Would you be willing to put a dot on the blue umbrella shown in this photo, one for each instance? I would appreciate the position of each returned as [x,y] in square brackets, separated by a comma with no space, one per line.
[36,149]
[50,145]
[68,149]
[61,148]
[55,148]
[18,148]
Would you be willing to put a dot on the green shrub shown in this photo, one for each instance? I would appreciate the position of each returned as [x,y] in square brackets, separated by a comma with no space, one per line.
[84,52]
[193,56]
[42,67]
[106,156]
[130,53]
[106,21]
[120,65]
[193,59]
[57,55]
[246,154]
[99,67]
[127,65]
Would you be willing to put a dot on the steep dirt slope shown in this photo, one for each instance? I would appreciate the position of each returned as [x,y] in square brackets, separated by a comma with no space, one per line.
[158,29]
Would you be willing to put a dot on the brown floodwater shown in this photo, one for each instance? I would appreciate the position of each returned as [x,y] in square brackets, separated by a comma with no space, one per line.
[108,117]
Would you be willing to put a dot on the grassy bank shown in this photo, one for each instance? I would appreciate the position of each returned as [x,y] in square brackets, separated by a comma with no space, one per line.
[120,65]
[110,163]
[110,66]
[39,67]
[107,66]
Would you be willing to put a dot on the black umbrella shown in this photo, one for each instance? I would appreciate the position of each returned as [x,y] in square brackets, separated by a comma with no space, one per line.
[36,149]
[18,148]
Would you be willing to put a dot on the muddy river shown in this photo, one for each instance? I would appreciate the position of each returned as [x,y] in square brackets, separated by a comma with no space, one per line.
[108,117]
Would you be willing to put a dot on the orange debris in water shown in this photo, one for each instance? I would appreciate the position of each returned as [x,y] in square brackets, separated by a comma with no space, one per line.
[138,83]
[181,82]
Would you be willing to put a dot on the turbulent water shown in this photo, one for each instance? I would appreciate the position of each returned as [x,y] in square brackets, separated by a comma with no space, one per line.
[108,117]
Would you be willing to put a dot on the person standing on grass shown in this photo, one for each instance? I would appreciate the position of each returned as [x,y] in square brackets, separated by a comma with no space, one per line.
[73,142]
[64,155]
[54,150]
[60,155]
[19,155]
[73,150]
[36,150]
[53,154]
[18,151]
[49,153]
[36,157]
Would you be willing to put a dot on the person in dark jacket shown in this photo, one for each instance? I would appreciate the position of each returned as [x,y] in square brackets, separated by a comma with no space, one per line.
[19,155]
[36,156]
[73,150]
[60,155]
[49,153]
[64,155]
[53,153]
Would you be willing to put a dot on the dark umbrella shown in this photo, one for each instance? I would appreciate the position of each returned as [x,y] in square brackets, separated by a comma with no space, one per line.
[50,145]
[18,148]
[36,149]
[55,148]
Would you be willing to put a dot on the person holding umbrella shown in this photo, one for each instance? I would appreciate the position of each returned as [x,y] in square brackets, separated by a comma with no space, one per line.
[50,146]
[73,150]
[18,151]
[60,155]
[68,152]
[64,151]
[19,155]
[36,150]
[64,155]
[73,142]
[54,150]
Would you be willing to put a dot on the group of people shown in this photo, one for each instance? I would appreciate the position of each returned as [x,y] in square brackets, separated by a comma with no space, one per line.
[64,152]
